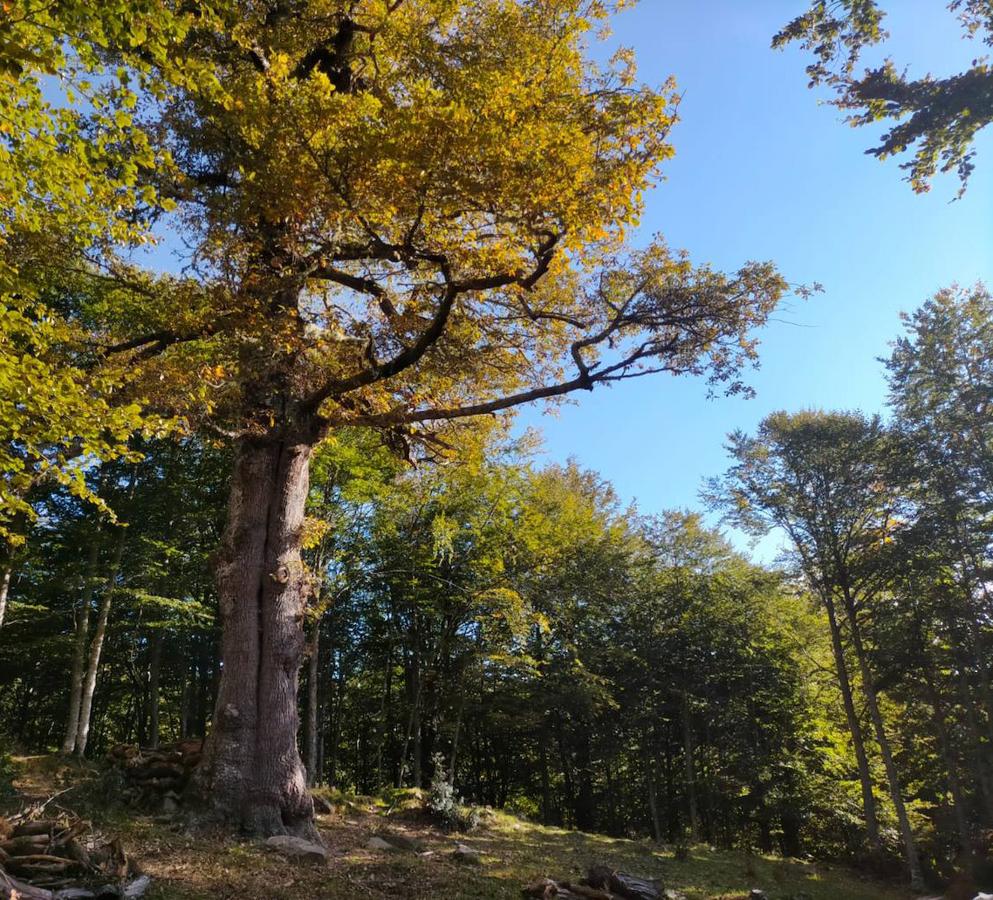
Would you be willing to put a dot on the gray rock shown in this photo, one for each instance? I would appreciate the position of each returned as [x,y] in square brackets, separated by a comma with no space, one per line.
[756,894]
[465,854]
[170,806]
[297,848]
[377,843]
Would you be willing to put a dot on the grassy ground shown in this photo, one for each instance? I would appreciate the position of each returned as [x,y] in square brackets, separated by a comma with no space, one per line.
[514,852]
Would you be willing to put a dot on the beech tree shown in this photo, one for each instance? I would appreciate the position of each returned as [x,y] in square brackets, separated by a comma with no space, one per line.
[819,477]
[398,215]
[936,117]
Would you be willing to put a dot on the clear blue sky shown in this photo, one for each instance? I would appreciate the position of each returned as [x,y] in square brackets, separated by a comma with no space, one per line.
[764,171]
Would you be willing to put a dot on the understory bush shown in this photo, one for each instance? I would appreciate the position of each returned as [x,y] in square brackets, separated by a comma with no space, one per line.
[445,806]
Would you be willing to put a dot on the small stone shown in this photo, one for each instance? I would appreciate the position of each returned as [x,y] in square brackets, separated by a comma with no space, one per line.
[170,806]
[756,894]
[297,848]
[137,888]
[377,843]
[465,854]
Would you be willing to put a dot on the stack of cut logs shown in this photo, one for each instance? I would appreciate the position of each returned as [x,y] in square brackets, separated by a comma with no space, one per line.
[600,883]
[156,778]
[44,859]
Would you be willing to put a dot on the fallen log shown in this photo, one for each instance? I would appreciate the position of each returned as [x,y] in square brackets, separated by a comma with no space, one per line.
[26,843]
[600,883]
[629,887]
[12,889]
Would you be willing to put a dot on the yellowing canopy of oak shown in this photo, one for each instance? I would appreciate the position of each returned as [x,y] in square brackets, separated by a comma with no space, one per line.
[416,210]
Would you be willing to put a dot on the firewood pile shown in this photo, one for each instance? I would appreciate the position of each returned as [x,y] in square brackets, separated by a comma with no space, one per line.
[155,778]
[62,858]
[600,883]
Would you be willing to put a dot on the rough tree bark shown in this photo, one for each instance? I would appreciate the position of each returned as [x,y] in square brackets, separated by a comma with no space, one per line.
[252,776]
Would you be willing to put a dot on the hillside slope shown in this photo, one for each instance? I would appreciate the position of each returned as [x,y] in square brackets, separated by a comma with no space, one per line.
[513,853]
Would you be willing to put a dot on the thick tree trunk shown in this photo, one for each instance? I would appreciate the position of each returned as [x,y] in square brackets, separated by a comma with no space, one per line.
[252,776]
[854,727]
[81,635]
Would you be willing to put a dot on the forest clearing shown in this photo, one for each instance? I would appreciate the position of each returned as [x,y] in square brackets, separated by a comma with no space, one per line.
[513,853]
[391,507]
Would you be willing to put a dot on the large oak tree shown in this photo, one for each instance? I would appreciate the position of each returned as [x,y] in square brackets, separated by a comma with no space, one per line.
[392,215]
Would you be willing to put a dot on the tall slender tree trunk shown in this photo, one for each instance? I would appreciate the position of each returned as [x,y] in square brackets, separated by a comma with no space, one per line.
[546,780]
[892,778]
[96,648]
[854,727]
[8,571]
[154,678]
[80,637]
[413,721]
[453,760]
[384,714]
[252,776]
[688,768]
[977,750]
[945,746]
[313,685]
[184,705]
[648,756]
